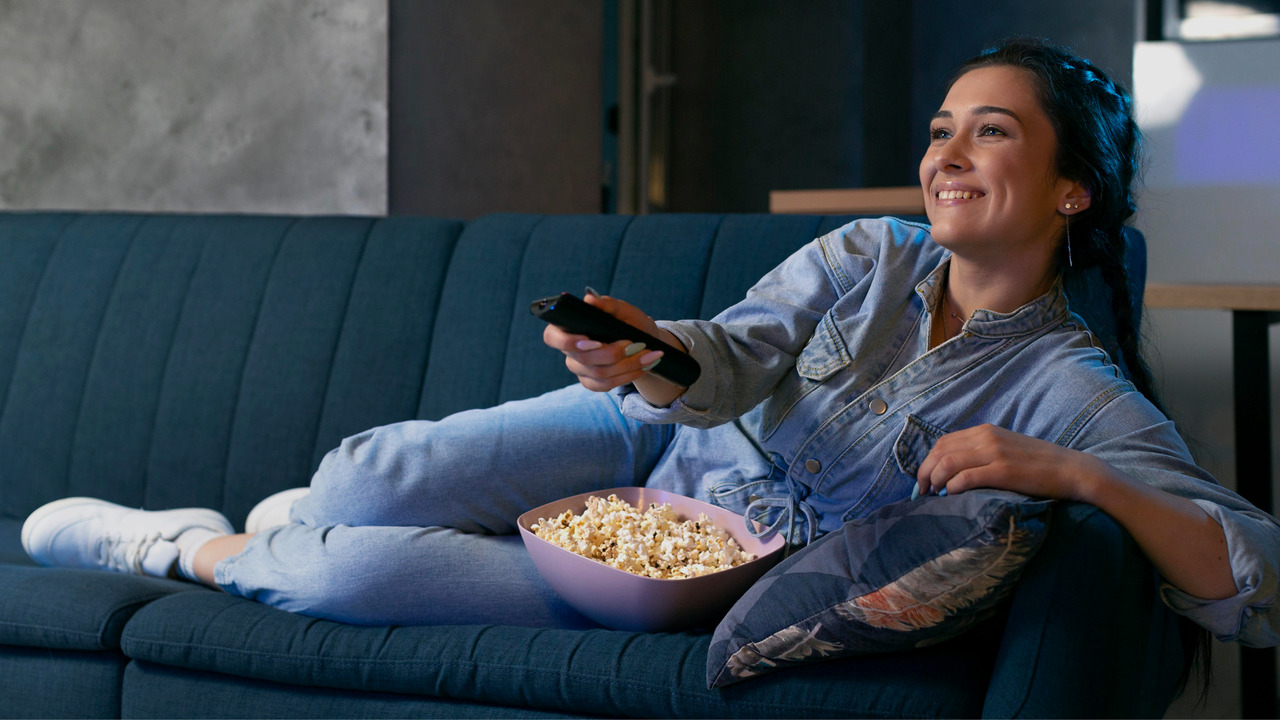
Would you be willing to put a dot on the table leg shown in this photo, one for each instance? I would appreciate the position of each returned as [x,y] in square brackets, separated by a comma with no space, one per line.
[1252,382]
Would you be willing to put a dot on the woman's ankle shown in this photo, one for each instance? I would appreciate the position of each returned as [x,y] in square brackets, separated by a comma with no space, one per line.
[199,563]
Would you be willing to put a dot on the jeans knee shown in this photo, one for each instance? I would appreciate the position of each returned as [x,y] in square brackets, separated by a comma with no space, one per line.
[348,488]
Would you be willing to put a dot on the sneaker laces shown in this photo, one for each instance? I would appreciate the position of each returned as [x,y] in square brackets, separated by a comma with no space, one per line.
[124,554]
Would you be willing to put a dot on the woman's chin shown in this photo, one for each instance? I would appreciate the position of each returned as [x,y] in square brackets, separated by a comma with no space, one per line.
[947,235]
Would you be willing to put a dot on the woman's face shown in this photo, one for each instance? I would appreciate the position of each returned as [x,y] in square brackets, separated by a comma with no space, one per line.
[989,177]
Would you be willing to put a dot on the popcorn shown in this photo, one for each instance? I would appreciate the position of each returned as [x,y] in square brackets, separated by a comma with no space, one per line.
[654,543]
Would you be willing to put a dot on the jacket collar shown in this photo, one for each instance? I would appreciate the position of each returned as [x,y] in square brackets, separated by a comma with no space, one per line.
[1048,309]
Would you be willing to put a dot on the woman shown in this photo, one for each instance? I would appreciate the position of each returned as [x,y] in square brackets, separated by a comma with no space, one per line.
[953,341]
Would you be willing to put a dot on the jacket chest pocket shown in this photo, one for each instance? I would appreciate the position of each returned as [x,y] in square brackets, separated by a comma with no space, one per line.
[823,356]
[914,443]
[826,353]
[897,475]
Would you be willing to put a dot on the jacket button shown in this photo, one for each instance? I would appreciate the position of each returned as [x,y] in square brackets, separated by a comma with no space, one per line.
[813,466]
[878,406]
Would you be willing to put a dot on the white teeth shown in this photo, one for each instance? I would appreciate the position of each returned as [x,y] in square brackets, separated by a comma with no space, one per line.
[958,195]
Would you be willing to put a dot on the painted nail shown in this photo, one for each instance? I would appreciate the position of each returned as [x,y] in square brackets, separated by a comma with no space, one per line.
[591,291]
[650,360]
[585,345]
[942,492]
[915,491]
[633,348]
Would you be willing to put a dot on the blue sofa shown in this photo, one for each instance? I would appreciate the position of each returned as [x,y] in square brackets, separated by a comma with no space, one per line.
[179,360]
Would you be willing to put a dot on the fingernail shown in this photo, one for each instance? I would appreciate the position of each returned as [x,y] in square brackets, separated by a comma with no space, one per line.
[633,348]
[942,492]
[915,491]
[591,291]
[650,360]
[588,345]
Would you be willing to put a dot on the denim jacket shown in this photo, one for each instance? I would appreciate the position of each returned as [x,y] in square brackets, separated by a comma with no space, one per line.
[828,358]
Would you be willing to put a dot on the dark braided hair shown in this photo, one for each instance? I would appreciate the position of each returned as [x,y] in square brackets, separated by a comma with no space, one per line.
[1099,146]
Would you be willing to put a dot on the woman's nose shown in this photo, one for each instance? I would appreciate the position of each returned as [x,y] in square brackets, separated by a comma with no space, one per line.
[952,156]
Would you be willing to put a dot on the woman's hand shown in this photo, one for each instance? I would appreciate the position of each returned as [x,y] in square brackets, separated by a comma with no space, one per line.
[990,456]
[1186,545]
[602,367]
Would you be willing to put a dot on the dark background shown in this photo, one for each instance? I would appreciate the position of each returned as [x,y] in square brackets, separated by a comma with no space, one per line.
[504,105]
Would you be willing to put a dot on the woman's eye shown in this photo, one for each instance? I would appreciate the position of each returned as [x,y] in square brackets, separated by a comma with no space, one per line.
[990,131]
[939,133]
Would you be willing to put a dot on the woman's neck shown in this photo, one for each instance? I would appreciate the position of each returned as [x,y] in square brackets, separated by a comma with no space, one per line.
[1003,288]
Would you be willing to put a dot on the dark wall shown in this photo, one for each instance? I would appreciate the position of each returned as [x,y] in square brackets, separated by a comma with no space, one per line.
[494,106]
[777,95]
[944,35]
[768,96]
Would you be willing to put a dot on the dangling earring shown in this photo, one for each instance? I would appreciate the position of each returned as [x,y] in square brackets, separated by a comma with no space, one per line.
[1070,207]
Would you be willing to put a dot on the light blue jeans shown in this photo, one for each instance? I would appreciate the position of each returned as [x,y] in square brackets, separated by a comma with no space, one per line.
[415,523]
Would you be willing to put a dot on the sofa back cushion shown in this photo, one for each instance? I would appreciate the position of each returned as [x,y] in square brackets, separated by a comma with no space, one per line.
[176,360]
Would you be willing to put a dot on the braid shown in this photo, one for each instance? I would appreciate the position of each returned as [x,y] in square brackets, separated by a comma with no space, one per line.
[1115,273]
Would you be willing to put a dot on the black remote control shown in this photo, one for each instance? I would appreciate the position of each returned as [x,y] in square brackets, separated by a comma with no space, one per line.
[579,318]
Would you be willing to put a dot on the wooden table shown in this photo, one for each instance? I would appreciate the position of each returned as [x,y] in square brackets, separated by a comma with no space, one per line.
[1254,308]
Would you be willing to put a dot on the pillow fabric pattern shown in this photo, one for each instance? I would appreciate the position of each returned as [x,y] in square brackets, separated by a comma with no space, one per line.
[912,574]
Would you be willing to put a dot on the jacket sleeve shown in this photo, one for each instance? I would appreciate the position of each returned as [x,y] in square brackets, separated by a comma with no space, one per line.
[747,349]
[1137,439]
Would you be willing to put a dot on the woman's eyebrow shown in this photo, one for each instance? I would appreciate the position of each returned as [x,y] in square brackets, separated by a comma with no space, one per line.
[982,110]
[996,110]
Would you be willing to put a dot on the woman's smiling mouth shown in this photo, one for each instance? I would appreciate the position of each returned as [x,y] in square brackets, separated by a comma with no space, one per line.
[959,194]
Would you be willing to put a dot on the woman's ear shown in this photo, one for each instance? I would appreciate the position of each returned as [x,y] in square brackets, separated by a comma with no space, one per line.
[1076,199]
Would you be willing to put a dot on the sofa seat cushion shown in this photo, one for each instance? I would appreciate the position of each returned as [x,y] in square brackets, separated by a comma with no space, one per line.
[164,693]
[64,609]
[44,683]
[593,672]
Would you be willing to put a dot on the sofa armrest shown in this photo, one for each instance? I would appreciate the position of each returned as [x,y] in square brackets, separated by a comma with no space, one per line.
[1087,635]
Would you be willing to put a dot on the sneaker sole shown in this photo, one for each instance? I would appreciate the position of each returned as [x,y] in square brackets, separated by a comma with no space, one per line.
[214,518]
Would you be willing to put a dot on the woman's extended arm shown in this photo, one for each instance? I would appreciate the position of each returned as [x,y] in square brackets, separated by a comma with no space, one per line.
[1185,544]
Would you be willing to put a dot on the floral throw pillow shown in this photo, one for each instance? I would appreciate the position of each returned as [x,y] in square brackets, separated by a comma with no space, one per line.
[914,573]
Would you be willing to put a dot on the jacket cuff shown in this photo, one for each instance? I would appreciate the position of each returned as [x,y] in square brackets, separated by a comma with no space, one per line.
[694,405]
[1250,617]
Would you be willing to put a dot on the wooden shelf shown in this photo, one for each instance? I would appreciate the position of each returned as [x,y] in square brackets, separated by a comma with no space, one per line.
[857,201]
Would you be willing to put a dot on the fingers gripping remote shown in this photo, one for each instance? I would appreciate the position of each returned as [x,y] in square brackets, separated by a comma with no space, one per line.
[579,318]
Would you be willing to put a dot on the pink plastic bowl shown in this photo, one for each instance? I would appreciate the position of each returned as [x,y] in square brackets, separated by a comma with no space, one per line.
[626,601]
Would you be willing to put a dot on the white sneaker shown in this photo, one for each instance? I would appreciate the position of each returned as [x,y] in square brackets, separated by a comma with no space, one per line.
[273,511]
[82,532]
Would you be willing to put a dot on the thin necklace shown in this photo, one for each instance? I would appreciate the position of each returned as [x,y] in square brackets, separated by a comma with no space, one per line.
[946,304]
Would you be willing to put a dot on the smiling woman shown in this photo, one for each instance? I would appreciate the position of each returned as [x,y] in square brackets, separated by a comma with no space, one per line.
[883,360]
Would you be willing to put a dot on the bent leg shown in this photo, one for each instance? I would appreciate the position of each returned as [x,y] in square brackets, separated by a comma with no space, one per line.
[396,576]
[478,470]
